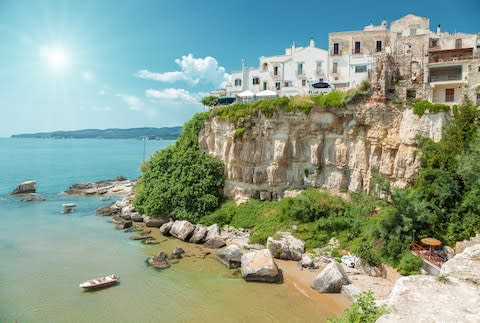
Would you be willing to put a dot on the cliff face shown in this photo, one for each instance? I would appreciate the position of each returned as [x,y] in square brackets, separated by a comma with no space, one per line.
[334,148]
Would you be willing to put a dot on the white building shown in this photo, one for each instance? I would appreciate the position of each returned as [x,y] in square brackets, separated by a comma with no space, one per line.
[288,75]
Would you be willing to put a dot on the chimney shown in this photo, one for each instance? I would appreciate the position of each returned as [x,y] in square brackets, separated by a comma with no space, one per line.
[438,29]
[293,48]
[312,42]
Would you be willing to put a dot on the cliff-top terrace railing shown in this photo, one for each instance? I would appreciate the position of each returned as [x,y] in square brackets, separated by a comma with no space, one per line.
[427,254]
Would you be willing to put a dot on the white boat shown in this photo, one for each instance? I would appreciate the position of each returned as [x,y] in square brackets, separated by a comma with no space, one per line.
[68,207]
[100,282]
[349,261]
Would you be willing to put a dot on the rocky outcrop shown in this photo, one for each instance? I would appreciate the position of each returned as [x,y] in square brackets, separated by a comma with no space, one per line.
[451,297]
[259,265]
[465,266]
[231,256]
[177,253]
[165,228]
[286,246]
[155,222]
[213,231]
[32,197]
[117,186]
[25,188]
[198,234]
[331,279]
[182,229]
[336,148]
[215,243]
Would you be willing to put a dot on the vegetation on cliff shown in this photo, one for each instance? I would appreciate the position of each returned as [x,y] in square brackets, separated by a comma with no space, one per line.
[181,180]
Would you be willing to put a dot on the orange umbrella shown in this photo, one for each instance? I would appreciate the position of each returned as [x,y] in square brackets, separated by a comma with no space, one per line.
[431,242]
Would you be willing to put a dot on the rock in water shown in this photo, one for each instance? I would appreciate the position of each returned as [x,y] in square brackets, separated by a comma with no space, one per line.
[286,247]
[159,261]
[215,243]
[177,253]
[165,229]
[25,188]
[123,225]
[231,256]
[108,210]
[331,279]
[199,234]
[259,265]
[32,197]
[182,229]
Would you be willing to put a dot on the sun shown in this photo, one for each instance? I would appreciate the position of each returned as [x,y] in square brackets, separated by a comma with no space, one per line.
[56,58]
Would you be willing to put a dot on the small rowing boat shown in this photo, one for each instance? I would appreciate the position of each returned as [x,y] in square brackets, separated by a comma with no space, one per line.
[100,282]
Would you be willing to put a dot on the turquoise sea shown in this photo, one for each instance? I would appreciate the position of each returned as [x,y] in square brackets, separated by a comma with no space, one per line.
[44,254]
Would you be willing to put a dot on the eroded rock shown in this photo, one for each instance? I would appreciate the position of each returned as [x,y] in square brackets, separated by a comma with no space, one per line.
[286,246]
[331,279]
[259,265]
[231,256]
[182,229]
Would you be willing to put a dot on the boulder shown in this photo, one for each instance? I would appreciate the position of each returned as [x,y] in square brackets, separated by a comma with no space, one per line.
[159,261]
[465,265]
[107,211]
[136,217]
[215,243]
[259,265]
[25,188]
[331,279]
[307,262]
[165,229]
[373,271]
[231,256]
[213,231]
[235,236]
[156,222]
[177,253]
[350,291]
[182,229]
[127,210]
[286,247]
[198,234]
[123,225]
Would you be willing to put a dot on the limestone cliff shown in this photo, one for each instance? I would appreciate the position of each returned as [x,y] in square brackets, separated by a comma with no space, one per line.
[333,148]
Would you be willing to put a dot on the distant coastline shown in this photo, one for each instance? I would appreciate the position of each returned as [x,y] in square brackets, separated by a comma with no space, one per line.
[164,133]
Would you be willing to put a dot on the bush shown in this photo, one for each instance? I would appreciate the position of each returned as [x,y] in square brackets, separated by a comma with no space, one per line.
[238,135]
[410,264]
[422,106]
[364,310]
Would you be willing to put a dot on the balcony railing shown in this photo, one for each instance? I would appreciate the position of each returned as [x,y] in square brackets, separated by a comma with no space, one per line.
[444,78]
[437,59]
[338,53]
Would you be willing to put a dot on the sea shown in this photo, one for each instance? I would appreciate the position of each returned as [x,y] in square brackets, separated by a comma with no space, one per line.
[45,254]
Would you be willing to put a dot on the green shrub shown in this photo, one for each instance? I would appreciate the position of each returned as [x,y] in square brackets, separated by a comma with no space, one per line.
[367,252]
[238,135]
[364,310]
[410,264]
[422,106]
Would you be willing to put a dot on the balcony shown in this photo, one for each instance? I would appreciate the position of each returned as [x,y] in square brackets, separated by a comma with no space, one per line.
[445,78]
[445,74]
[436,55]
[338,53]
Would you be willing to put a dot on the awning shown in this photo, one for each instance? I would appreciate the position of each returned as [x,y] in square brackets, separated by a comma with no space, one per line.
[321,85]
[267,93]
[246,94]
[431,242]
[224,100]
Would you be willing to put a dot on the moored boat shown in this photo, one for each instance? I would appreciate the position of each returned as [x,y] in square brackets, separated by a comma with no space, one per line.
[100,282]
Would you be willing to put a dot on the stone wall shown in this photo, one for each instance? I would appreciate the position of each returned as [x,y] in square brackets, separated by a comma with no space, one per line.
[338,149]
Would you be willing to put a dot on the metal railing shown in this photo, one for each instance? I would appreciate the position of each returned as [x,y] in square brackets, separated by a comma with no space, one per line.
[443,78]
[427,254]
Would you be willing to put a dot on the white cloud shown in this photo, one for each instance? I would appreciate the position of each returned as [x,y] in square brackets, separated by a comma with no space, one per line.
[172,95]
[192,70]
[133,102]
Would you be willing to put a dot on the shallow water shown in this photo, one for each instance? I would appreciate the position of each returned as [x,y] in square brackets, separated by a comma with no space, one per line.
[45,254]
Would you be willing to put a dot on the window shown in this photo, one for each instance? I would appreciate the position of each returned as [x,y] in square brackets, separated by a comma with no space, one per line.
[238,82]
[264,86]
[433,43]
[277,85]
[411,93]
[360,68]
[275,70]
[378,47]
[255,81]
[319,67]
[357,47]
[304,82]
[458,43]
[413,31]
[449,95]
[285,84]
[300,68]
[336,50]
[264,66]
[335,68]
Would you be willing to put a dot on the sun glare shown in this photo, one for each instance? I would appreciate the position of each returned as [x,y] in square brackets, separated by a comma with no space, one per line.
[56,58]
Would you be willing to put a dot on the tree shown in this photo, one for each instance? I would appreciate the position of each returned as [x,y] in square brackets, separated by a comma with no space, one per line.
[209,101]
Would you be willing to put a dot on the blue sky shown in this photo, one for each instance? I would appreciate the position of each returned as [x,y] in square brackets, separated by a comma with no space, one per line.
[100,64]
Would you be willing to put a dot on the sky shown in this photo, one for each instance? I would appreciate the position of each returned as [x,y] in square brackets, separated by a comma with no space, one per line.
[67,65]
